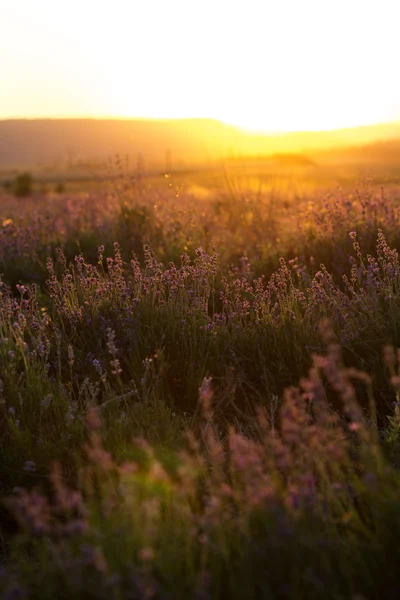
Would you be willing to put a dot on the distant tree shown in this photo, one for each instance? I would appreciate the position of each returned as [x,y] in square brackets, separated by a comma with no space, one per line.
[22,185]
[60,188]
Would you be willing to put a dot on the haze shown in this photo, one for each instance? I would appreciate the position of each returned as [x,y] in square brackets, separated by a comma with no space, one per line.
[263,65]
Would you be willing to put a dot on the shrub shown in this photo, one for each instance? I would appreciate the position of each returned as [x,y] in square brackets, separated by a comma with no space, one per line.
[22,185]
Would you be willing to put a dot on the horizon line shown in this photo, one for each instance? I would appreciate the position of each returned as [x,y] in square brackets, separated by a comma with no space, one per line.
[250,131]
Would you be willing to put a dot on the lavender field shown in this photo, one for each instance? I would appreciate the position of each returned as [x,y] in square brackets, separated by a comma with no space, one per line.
[200,390]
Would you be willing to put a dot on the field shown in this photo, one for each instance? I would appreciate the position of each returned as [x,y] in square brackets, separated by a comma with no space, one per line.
[200,384]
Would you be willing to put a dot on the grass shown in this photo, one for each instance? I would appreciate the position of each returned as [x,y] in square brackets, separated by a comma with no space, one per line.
[146,341]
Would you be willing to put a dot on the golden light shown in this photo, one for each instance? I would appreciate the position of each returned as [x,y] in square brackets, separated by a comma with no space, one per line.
[261,65]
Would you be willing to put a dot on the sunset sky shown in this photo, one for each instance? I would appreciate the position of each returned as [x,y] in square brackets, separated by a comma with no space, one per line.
[273,65]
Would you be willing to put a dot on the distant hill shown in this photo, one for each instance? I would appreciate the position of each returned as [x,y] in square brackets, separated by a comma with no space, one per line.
[379,152]
[163,143]
[46,141]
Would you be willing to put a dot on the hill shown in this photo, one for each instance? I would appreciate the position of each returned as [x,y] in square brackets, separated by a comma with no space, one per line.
[162,143]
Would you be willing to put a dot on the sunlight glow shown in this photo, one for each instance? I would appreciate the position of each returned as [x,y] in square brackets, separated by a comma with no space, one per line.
[261,64]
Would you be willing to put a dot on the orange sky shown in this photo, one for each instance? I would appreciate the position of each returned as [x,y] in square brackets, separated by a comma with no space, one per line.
[268,65]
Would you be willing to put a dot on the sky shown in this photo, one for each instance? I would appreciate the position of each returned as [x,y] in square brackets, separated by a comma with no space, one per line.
[268,65]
